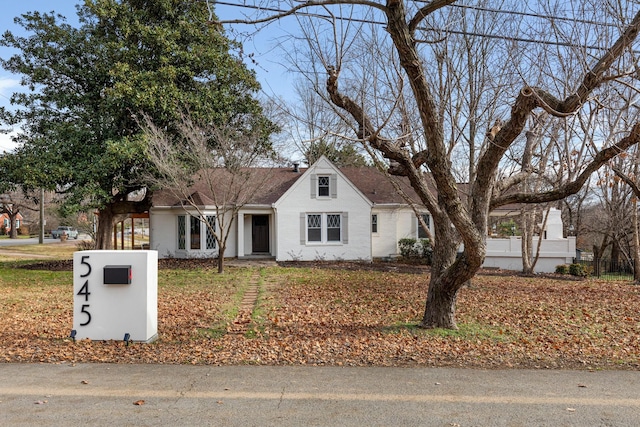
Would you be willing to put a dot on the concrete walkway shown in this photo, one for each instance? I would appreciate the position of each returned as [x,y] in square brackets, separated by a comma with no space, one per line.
[157,395]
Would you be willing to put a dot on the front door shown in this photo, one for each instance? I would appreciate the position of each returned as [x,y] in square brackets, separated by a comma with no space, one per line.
[260,234]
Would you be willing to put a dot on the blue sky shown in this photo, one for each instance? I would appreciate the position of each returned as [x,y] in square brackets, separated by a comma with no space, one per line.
[271,74]
[9,83]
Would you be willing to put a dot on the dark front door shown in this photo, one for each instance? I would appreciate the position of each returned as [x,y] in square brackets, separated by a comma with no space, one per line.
[260,234]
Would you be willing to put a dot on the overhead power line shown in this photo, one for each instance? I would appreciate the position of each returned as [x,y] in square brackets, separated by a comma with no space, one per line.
[534,15]
[456,32]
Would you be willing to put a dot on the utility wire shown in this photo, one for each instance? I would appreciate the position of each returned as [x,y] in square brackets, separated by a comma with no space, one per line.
[533,15]
[456,32]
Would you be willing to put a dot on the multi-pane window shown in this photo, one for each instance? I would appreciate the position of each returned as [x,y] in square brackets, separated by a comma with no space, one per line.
[374,223]
[325,228]
[182,238]
[421,233]
[323,186]
[194,234]
[314,228]
[211,225]
[333,228]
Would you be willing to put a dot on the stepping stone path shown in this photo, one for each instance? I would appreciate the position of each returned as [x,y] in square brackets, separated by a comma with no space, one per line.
[248,303]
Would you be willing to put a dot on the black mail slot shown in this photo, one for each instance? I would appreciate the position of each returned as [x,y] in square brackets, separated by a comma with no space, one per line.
[117,274]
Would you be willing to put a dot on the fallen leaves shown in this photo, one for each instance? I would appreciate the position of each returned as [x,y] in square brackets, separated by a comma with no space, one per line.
[339,317]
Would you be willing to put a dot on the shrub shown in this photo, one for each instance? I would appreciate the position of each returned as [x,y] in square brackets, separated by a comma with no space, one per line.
[86,245]
[579,270]
[562,269]
[408,248]
[412,249]
[427,250]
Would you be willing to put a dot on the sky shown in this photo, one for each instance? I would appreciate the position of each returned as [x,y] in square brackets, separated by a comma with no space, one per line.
[272,75]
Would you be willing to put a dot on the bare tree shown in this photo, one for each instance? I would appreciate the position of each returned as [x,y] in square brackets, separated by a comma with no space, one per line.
[210,167]
[354,85]
[14,203]
[632,179]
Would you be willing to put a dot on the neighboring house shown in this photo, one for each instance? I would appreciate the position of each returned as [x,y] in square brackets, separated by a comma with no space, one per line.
[6,223]
[319,213]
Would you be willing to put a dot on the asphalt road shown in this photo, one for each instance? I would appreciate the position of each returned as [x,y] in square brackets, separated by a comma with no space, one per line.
[104,395]
[33,241]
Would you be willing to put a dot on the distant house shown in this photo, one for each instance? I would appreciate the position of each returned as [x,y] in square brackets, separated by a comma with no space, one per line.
[6,223]
[319,213]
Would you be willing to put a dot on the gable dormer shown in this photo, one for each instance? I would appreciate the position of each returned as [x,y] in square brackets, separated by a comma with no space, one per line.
[324,185]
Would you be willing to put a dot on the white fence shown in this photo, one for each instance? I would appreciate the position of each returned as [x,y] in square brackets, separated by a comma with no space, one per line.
[507,253]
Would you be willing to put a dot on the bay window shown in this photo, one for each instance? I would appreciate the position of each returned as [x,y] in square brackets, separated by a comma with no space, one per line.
[195,233]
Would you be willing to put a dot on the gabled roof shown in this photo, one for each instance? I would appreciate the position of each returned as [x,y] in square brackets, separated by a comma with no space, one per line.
[376,186]
[372,183]
[276,182]
[324,165]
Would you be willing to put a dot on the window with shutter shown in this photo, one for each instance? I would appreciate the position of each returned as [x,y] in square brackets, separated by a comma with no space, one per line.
[314,228]
[323,186]
[324,228]
[333,228]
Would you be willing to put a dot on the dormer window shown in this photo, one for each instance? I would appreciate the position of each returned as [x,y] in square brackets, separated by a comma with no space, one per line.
[323,186]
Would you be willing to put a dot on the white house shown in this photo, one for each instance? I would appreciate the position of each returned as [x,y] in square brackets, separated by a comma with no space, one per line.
[319,213]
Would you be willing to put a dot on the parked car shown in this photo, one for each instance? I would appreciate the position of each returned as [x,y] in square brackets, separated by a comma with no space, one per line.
[71,232]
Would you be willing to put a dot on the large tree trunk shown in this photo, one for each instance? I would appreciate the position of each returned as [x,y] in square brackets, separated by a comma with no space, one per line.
[449,273]
[13,233]
[108,213]
[104,234]
[440,310]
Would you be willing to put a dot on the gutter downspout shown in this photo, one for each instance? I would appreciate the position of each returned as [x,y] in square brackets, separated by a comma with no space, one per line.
[275,231]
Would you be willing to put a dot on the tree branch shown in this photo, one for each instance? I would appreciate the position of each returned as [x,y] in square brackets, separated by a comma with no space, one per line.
[573,187]
[296,9]
[627,180]
[531,98]
[426,11]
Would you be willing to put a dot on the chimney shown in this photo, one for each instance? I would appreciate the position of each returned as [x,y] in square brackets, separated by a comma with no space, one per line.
[296,167]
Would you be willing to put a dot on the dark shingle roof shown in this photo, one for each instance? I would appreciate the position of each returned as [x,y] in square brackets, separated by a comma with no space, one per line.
[273,184]
[376,186]
[370,181]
